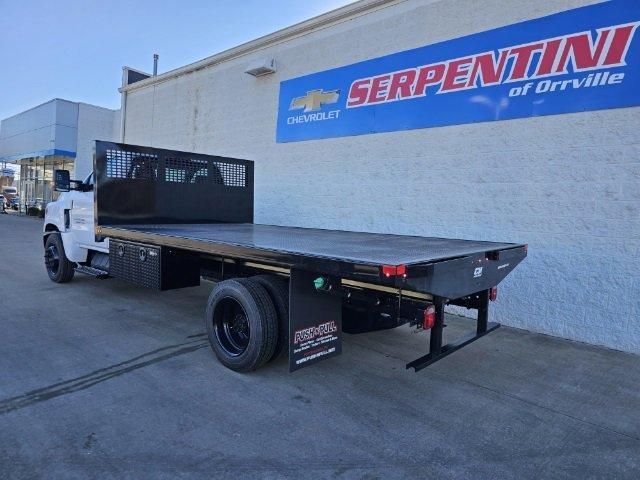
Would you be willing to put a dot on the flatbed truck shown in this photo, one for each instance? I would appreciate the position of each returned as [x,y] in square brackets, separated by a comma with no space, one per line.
[165,219]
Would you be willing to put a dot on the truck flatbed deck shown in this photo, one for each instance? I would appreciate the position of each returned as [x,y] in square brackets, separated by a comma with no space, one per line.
[337,245]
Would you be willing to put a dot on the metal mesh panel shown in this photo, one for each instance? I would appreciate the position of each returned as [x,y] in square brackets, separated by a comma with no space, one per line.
[185,170]
[125,164]
[137,184]
[230,174]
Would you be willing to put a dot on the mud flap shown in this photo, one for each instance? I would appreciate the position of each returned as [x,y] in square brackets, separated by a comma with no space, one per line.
[315,318]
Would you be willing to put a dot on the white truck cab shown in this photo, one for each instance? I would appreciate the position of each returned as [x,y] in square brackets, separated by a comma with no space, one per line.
[69,231]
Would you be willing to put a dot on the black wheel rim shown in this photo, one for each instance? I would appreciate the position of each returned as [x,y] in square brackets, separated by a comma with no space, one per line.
[231,326]
[52,259]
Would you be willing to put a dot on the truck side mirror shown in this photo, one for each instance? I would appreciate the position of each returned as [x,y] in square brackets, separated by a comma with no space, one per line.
[61,180]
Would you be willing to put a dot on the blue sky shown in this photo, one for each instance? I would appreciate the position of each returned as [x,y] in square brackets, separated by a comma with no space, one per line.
[76,49]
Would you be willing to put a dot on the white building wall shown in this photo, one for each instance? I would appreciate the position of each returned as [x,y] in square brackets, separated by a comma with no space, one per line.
[94,123]
[49,126]
[568,185]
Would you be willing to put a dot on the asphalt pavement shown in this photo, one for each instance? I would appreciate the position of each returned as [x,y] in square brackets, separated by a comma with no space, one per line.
[100,379]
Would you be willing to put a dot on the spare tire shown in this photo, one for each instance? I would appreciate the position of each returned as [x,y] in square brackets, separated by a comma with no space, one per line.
[242,324]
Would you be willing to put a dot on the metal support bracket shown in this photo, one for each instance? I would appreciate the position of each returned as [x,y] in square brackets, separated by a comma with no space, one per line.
[437,351]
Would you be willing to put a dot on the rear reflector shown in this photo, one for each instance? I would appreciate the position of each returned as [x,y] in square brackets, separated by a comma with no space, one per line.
[429,317]
[493,294]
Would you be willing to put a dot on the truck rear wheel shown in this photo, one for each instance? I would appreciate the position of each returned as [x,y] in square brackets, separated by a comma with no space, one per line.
[242,324]
[59,268]
[278,290]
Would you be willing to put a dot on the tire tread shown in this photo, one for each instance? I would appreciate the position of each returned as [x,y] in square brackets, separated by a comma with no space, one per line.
[66,269]
[278,290]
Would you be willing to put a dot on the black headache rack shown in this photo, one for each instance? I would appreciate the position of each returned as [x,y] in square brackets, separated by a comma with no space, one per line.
[189,210]
[145,185]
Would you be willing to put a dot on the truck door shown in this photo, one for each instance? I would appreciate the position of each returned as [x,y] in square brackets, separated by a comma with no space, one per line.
[81,218]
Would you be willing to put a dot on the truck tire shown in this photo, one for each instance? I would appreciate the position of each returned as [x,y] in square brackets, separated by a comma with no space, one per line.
[242,324]
[59,268]
[278,290]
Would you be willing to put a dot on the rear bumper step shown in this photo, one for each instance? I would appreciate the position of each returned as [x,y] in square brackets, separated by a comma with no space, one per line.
[437,351]
[430,358]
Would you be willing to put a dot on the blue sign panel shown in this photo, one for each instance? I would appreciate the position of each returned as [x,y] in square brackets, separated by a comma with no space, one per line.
[578,60]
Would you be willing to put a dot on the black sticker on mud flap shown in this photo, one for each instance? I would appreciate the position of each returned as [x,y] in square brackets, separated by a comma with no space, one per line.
[315,318]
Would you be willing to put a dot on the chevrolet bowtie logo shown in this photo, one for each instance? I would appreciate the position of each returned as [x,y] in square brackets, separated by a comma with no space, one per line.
[314,100]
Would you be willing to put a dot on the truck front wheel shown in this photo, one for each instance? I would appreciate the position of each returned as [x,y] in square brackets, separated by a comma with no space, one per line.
[59,268]
[242,324]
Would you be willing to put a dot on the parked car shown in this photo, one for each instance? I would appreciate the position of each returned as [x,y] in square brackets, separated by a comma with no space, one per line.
[36,207]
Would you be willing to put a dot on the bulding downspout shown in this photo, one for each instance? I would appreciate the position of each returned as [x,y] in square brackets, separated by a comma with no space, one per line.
[123,104]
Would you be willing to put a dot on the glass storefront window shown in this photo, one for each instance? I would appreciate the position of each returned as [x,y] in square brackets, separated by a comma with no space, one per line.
[36,178]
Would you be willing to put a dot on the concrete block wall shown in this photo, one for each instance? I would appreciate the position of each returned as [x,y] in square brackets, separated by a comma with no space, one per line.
[568,185]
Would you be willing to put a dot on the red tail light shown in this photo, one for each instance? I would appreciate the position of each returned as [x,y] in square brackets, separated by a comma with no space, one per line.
[393,270]
[388,270]
[493,294]
[429,318]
